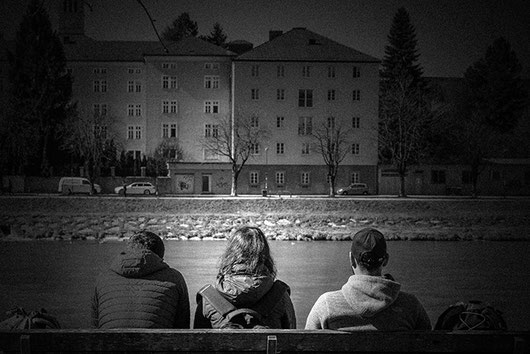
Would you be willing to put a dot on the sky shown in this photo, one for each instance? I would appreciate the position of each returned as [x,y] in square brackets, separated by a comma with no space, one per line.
[451,34]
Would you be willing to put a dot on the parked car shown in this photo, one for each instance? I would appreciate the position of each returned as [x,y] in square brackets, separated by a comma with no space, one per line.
[137,188]
[354,188]
[71,185]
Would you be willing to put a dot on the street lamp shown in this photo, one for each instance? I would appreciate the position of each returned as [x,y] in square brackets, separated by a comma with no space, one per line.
[266,167]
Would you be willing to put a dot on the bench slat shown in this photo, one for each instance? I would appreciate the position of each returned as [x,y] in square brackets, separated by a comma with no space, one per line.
[252,341]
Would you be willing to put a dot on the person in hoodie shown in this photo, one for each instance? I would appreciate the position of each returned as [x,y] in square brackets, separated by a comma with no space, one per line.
[140,290]
[369,300]
[246,273]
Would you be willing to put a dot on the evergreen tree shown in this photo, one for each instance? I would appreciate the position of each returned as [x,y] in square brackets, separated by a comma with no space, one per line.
[41,88]
[495,89]
[404,111]
[181,27]
[217,36]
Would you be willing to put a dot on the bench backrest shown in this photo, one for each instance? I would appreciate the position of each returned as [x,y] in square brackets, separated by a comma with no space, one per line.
[262,341]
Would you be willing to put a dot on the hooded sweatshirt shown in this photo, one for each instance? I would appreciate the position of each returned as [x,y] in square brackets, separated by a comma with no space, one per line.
[139,290]
[368,303]
[244,290]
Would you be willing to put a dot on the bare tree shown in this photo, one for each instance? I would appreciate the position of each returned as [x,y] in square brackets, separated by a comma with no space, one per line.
[333,142]
[235,139]
[89,137]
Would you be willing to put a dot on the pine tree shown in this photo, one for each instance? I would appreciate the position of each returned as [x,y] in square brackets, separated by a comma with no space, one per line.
[40,88]
[404,112]
[217,36]
[495,89]
[181,27]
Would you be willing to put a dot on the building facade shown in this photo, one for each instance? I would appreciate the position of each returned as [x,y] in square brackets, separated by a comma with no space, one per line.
[147,95]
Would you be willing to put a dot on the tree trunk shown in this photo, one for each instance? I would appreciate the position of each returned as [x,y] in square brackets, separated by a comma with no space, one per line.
[235,175]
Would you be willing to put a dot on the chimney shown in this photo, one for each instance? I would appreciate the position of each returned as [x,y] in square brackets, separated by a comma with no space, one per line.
[274,34]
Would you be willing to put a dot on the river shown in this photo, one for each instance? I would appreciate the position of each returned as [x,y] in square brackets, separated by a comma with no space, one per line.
[59,276]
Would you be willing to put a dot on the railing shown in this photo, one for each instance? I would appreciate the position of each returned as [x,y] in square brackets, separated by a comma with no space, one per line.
[261,341]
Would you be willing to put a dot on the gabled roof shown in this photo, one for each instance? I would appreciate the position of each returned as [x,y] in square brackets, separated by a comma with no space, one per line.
[300,44]
[92,50]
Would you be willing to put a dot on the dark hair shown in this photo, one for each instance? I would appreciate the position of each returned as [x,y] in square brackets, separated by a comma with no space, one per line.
[247,252]
[149,241]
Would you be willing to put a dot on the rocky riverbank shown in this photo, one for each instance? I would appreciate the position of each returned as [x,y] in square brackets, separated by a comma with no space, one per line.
[115,218]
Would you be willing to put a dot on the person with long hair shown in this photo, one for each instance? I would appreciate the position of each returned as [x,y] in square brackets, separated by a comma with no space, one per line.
[247,279]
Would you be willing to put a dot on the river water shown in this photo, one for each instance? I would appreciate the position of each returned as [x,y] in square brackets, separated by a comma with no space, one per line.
[59,276]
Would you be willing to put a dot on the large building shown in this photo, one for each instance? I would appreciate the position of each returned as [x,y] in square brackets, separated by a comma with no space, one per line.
[147,94]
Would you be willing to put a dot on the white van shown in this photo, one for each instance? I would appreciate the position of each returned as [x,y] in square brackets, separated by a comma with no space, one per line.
[70,185]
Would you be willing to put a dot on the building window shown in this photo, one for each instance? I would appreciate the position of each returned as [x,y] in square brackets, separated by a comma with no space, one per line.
[100,109]
[169,130]
[134,70]
[306,71]
[100,131]
[134,86]
[211,130]
[305,98]
[100,85]
[138,110]
[304,178]
[305,125]
[331,123]
[356,96]
[169,82]
[280,148]
[254,178]
[280,71]
[211,66]
[280,179]
[130,110]
[100,70]
[355,177]
[130,132]
[211,81]
[254,148]
[211,107]
[254,94]
[169,107]
[355,148]
[254,122]
[437,177]
[356,122]
[305,148]
[255,70]
[331,95]
[356,72]
[280,94]
[331,72]
[280,121]
[138,132]
[169,65]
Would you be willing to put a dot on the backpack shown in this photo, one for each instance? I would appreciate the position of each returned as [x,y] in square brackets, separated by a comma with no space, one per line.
[243,318]
[473,315]
[20,319]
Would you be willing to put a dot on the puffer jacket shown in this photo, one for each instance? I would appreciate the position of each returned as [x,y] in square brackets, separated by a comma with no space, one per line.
[244,290]
[139,290]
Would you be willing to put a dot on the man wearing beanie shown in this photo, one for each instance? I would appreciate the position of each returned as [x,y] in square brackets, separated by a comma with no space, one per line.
[369,300]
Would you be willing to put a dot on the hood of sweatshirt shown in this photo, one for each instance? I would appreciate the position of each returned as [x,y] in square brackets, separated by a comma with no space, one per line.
[368,295]
[137,263]
[244,290]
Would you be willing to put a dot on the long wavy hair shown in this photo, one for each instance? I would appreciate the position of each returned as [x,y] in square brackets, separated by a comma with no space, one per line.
[247,252]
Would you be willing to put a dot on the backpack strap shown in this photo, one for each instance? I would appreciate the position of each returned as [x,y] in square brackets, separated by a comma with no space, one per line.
[218,301]
[268,302]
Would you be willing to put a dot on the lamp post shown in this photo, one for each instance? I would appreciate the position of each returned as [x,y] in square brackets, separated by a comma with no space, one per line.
[266,169]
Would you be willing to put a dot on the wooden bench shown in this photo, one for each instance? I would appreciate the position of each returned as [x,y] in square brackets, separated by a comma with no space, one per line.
[261,341]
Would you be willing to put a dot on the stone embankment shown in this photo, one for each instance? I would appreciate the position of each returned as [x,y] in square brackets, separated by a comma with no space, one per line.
[115,218]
